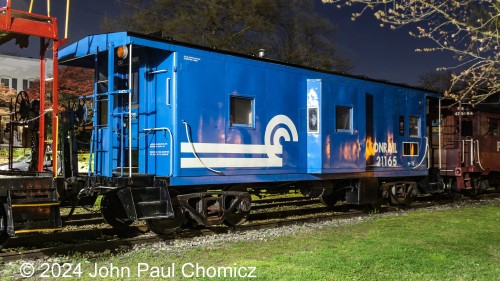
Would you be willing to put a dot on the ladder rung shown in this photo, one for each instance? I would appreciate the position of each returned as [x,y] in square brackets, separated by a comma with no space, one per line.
[35,205]
[155,217]
[38,230]
[119,92]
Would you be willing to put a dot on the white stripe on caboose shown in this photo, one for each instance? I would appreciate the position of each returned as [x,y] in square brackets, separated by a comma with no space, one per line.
[230,148]
[231,162]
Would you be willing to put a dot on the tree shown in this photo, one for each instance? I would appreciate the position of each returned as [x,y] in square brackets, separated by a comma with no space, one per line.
[303,36]
[470,29]
[289,30]
[6,96]
[74,82]
[436,81]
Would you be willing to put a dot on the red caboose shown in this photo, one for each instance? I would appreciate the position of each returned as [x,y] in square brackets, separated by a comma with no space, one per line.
[468,152]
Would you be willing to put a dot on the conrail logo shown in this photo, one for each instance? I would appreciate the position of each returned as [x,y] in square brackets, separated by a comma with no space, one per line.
[263,155]
[385,147]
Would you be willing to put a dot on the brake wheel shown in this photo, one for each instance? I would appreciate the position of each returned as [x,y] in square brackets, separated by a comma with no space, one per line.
[22,106]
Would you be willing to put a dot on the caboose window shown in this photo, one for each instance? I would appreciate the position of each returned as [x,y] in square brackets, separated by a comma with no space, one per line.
[493,126]
[135,87]
[241,111]
[467,128]
[410,149]
[343,116]
[414,126]
[401,125]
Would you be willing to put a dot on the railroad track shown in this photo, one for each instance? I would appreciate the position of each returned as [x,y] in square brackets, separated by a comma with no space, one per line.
[109,239]
[258,205]
[96,232]
[119,242]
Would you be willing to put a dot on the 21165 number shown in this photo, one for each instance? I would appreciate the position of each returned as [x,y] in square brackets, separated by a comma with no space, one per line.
[387,161]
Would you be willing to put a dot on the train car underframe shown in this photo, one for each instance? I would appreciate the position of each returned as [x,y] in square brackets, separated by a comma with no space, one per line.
[369,191]
[164,208]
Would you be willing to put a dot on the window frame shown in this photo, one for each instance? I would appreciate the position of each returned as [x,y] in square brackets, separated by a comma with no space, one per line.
[402,125]
[12,82]
[231,122]
[313,112]
[411,143]
[493,126]
[27,84]
[5,79]
[350,112]
[419,130]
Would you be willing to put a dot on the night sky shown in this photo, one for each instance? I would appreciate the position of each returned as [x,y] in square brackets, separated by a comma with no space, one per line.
[375,52]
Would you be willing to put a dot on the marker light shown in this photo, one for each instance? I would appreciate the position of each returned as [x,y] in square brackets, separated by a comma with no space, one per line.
[122,52]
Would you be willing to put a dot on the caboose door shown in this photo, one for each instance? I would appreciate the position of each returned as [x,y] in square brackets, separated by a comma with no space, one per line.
[157,118]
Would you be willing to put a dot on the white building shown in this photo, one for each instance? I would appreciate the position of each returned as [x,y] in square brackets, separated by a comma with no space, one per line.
[18,72]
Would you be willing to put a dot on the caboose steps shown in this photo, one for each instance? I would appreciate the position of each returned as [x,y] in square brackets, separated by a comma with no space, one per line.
[36,217]
[142,203]
[29,205]
[153,210]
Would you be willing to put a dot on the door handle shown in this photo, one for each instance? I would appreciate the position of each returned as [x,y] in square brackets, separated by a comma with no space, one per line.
[167,91]
[157,71]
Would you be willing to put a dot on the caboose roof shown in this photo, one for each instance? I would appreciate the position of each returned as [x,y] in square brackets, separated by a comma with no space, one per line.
[81,53]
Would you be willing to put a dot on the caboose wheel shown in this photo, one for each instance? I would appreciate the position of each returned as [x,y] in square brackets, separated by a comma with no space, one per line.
[401,194]
[113,212]
[474,192]
[236,217]
[239,214]
[331,198]
[451,186]
[3,227]
[167,226]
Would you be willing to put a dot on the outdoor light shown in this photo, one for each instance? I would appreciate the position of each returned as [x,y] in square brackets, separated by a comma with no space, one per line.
[122,52]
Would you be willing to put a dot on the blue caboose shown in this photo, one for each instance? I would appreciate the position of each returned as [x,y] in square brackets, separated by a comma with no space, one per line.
[172,121]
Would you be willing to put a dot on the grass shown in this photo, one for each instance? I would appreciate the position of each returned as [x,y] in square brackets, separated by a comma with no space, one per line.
[20,153]
[453,244]
[17,155]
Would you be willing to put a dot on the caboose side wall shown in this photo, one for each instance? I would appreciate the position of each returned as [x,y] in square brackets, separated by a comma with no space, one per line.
[487,135]
[470,141]
[375,141]
[207,83]
[181,87]
[279,90]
